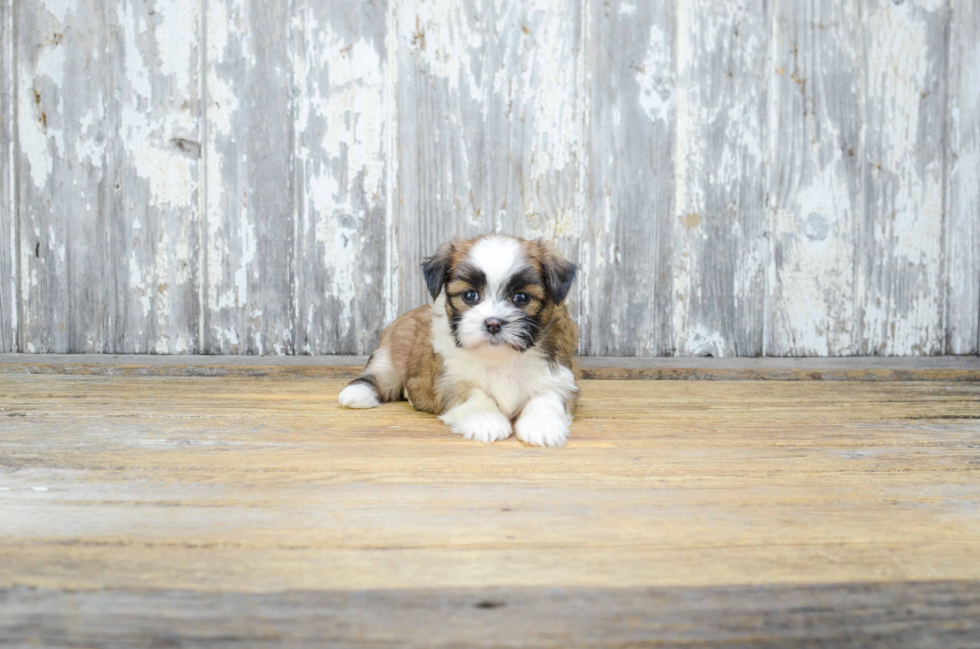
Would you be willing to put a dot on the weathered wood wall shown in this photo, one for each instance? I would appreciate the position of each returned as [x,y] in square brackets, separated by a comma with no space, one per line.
[794,177]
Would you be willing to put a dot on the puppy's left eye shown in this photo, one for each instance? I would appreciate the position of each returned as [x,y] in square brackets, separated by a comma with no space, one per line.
[521,299]
[471,297]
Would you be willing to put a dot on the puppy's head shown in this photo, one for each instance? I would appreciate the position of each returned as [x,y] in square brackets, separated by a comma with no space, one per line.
[501,291]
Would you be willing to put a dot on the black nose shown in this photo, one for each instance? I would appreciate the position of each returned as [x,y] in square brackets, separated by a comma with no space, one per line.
[493,325]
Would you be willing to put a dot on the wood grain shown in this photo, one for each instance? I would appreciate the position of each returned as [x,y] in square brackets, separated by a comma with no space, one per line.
[902,229]
[917,614]
[441,136]
[937,368]
[61,176]
[536,103]
[815,183]
[245,177]
[627,273]
[963,181]
[154,177]
[719,250]
[721,498]
[250,203]
[340,69]
[8,209]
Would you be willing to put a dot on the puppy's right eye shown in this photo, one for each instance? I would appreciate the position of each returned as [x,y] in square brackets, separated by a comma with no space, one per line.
[471,297]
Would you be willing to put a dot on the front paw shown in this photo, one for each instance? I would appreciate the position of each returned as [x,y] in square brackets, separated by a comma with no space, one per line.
[358,395]
[483,427]
[541,429]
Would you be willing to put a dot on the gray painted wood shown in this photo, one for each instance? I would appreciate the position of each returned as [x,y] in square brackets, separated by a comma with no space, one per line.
[441,133]
[153,177]
[788,178]
[535,154]
[628,237]
[899,614]
[963,182]
[61,144]
[815,185]
[720,251]
[340,71]
[901,277]
[251,216]
[489,133]
[8,210]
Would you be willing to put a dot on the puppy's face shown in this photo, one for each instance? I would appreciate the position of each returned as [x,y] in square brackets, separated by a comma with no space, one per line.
[500,291]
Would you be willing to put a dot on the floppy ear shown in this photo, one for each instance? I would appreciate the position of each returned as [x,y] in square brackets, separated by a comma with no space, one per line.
[559,273]
[436,267]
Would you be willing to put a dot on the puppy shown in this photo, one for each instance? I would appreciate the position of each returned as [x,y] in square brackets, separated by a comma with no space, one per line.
[494,354]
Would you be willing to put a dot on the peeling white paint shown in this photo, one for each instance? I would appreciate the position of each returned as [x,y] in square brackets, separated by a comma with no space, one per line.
[32,139]
[60,8]
[654,77]
[700,341]
[341,145]
[686,157]
[556,147]
[392,276]
[963,187]
[222,99]
[176,38]
[908,210]
[89,145]
[148,133]
[719,168]
[448,41]
[229,46]
[518,66]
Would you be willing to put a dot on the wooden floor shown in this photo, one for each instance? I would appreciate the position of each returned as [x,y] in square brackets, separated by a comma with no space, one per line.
[225,511]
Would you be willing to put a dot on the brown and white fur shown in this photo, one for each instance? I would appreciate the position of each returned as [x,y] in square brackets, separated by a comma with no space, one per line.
[493,354]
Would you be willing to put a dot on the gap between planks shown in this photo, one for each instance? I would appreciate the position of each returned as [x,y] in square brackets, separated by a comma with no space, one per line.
[863,368]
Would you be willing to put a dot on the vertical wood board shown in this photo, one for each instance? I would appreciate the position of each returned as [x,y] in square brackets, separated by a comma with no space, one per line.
[962,167]
[8,209]
[626,243]
[153,176]
[340,70]
[901,291]
[536,112]
[441,87]
[815,184]
[795,177]
[61,180]
[719,250]
[250,252]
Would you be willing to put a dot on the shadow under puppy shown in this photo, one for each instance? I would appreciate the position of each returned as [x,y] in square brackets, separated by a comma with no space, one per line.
[494,354]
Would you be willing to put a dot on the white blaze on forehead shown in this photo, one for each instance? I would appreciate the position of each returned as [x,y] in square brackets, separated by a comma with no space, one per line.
[498,258]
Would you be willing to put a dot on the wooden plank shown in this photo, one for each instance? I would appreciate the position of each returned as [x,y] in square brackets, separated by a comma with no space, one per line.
[963,181]
[264,486]
[185,365]
[916,614]
[8,209]
[936,368]
[815,177]
[720,251]
[901,278]
[61,147]
[489,128]
[250,239]
[154,172]
[535,119]
[626,248]
[340,66]
[441,134]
